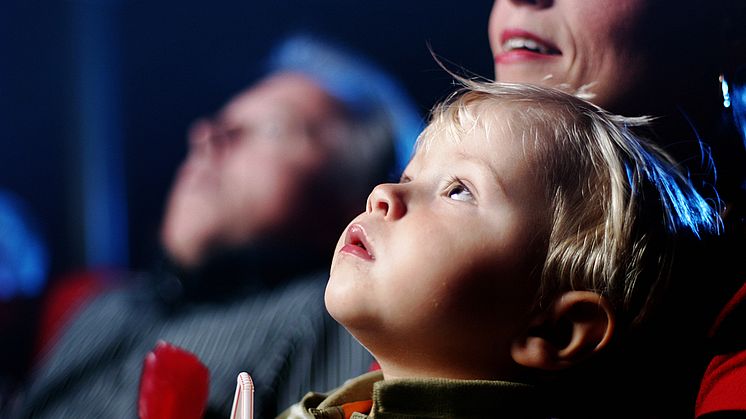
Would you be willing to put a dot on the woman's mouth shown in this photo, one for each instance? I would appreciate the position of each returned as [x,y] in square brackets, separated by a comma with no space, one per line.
[530,45]
[356,243]
[519,45]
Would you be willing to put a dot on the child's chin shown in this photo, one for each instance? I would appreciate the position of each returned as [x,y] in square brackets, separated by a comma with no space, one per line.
[341,315]
[342,306]
[331,298]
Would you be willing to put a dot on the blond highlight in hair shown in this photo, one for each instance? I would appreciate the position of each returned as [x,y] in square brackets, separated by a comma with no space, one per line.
[616,201]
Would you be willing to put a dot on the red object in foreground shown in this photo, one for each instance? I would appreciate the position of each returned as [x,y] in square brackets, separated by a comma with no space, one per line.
[174,384]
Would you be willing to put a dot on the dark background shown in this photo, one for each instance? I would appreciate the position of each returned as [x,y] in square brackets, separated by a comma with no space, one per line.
[96,96]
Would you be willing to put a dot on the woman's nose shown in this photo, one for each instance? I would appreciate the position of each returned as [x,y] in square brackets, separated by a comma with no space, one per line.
[387,200]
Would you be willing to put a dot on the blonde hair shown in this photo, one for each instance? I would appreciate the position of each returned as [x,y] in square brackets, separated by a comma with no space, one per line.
[616,201]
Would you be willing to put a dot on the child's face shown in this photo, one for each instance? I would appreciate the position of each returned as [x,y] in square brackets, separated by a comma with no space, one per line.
[445,268]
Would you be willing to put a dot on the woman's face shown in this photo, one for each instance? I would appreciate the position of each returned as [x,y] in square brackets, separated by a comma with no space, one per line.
[618,50]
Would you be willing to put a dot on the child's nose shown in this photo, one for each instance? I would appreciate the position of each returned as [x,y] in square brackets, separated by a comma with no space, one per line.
[387,200]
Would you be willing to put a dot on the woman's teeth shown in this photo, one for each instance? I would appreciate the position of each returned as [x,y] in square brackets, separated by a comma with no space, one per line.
[525,43]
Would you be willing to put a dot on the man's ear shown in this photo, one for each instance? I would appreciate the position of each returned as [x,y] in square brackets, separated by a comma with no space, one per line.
[577,325]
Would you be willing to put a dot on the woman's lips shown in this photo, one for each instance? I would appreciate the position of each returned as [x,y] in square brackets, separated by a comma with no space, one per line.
[356,243]
[517,45]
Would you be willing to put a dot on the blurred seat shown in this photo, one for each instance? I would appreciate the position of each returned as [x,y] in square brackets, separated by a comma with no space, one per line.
[64,298]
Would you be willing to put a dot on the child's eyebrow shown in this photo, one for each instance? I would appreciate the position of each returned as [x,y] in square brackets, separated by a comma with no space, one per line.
[487,169]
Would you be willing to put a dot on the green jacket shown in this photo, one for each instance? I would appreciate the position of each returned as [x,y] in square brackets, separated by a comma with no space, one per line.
[423,398]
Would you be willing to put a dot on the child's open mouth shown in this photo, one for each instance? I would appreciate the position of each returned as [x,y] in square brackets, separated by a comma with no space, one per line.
[356,243]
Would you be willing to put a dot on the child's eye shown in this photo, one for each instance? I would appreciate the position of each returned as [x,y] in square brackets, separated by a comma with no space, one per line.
[458,192]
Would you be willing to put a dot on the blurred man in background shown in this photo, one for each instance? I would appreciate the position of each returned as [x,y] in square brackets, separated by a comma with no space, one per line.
[271,176]
[255,209]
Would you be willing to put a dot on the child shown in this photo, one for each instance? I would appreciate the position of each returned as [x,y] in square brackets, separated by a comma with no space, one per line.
[527,240]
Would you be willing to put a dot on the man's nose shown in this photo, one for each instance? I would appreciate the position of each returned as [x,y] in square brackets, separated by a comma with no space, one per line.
[200,134]
[388,200]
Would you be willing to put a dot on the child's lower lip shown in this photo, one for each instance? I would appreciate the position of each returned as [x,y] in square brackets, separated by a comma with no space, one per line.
[356,251]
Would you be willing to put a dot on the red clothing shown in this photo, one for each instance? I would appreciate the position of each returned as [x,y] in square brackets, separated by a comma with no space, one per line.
[723,386]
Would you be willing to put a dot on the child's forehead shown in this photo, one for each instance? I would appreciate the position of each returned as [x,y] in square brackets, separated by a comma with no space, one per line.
[493,142]
[485,124]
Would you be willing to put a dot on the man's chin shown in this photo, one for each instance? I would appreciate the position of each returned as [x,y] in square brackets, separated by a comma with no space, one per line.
[182,248]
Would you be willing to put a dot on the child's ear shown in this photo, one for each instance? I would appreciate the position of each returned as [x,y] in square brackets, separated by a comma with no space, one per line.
[577,325]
